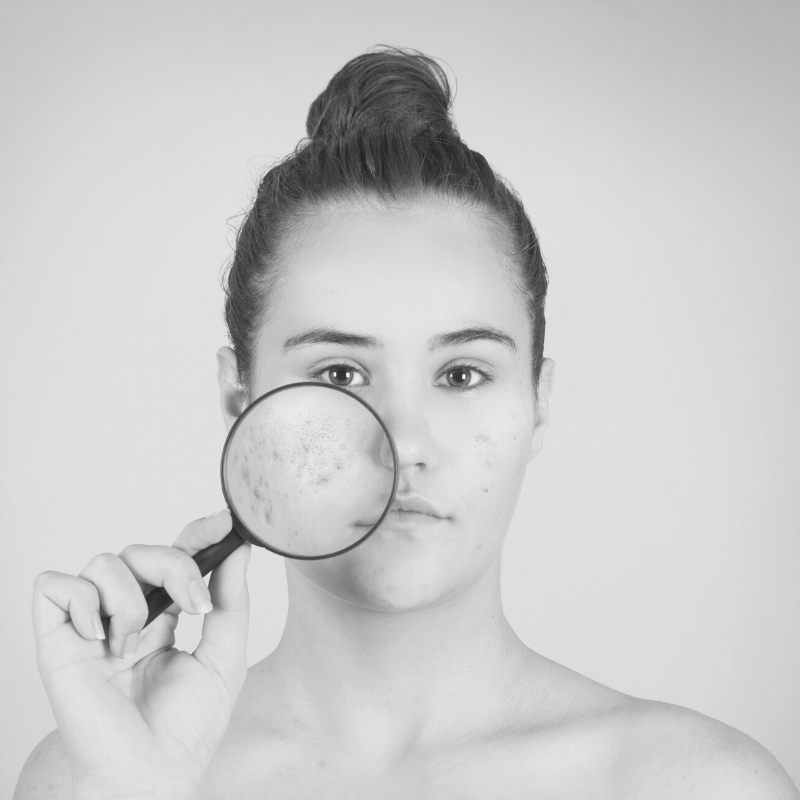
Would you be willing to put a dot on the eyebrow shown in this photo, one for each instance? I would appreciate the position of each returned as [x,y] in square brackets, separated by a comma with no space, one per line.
[331,336]
[467,335]
[449,339]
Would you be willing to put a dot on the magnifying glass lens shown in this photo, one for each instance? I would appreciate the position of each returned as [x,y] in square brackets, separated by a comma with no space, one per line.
[309,470]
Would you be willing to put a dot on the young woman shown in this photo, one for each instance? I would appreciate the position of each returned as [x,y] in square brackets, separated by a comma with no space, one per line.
[387,257]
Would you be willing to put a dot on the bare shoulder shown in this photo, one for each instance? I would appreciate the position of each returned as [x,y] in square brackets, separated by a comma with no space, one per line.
[633,749]
[668,751]
[46,773]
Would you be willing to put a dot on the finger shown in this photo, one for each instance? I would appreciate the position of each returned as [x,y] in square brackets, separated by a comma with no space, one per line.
[121,600]
[58,598]
[224,642]
[204,532]
[158,635]
[195,536]
[177,572]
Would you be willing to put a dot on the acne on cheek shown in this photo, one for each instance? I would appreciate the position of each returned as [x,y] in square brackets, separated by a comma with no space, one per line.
[270,466]
[492,449]
[484,450]
[249,486]
[483,453]
[488,451]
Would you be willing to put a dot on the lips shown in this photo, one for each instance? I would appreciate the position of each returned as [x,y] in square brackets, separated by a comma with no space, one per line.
[414,504]
[410,509]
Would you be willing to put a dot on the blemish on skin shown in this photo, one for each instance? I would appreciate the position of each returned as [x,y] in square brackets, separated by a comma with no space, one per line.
[304,461]
[485,450]
[485,488]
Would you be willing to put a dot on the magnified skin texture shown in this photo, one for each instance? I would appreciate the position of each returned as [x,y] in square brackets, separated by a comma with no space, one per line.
[305,472]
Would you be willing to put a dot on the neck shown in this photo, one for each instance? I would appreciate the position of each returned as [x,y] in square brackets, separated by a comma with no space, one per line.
[360,673]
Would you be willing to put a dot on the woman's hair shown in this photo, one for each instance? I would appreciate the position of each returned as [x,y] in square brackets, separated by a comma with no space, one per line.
[380,134]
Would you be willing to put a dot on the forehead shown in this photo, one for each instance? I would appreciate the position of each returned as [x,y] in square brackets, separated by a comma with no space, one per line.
[400,272]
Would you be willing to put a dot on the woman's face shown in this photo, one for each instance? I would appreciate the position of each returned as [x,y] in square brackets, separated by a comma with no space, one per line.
[438,342]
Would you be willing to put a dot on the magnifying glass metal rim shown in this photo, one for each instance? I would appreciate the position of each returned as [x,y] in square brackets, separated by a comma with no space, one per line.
[253,538]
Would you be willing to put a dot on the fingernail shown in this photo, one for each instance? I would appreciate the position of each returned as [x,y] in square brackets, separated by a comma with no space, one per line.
[97,624]
[200,598]
[130,644]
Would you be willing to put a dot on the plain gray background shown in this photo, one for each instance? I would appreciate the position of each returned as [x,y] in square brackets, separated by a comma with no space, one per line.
[656,544]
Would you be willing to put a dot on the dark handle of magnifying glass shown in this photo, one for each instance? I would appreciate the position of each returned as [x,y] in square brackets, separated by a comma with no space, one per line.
[158,599]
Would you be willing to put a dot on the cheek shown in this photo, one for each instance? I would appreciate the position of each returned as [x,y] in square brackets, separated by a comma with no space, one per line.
[486,450]
[495,456]
[499,471]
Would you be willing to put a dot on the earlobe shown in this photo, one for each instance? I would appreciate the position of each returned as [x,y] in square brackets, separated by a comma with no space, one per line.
[542,411]
[232,397]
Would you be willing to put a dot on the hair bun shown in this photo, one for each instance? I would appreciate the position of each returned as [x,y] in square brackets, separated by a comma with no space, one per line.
[389,86]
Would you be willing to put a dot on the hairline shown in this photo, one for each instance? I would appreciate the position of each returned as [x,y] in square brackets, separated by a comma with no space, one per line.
[307,225]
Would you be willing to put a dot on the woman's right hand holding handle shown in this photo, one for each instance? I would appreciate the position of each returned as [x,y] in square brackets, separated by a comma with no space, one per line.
[137,717]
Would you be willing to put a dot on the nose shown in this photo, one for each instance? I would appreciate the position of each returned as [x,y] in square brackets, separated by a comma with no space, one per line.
[409,426]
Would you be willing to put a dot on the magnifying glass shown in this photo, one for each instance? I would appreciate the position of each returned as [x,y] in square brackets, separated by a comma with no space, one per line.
[309,471]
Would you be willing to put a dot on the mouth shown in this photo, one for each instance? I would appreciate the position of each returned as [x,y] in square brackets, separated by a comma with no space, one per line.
[414,510]
[415,506]
[409,519]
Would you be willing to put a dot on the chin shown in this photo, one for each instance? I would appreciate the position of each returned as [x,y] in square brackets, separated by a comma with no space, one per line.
[393,599]
[399,573]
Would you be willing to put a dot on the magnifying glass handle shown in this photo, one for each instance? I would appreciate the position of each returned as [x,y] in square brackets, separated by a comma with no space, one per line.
[158,599]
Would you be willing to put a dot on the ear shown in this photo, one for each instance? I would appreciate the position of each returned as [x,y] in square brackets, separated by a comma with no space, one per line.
[232,396]
[542,411]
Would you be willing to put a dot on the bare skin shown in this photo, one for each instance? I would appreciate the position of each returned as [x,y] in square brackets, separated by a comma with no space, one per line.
[397,675]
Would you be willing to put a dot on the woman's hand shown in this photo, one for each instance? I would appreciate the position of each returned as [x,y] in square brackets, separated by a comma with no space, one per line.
[137,717]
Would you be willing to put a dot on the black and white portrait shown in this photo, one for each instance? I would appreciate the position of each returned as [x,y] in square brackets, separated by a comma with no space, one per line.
[400,400]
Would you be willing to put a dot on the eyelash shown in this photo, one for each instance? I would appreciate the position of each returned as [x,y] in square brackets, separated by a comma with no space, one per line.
[486,378]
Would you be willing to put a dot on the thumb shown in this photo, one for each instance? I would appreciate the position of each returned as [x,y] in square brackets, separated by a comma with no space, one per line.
[223,645]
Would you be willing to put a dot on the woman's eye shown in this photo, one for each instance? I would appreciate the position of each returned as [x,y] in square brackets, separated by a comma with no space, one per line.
[464,377]
[342,375]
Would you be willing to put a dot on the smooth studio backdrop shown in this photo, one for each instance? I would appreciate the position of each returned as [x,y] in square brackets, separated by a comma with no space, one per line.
[657,542]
